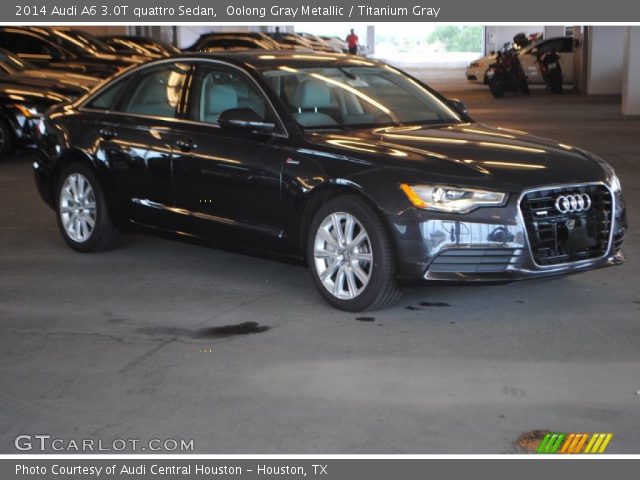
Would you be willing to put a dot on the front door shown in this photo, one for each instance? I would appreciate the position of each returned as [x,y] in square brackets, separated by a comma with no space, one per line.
[227,181]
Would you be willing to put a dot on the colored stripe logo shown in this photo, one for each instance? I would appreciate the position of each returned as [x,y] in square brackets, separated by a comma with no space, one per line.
[574,443]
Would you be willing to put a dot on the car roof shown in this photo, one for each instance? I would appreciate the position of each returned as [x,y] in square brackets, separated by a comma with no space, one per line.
[268,59]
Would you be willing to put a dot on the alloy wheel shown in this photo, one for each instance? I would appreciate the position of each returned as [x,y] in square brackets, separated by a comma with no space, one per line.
[77,207]
[343,256]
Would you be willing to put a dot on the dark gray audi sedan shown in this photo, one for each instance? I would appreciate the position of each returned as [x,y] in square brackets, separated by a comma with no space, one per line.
[349,165]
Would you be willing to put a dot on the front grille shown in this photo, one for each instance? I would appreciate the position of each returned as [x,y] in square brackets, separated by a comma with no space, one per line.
[556,237]
[618,240]
[474,260]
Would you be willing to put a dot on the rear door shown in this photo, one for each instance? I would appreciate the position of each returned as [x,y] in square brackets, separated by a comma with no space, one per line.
[135,139]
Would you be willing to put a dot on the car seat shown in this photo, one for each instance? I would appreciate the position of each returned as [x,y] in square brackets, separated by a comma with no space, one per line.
[312,95]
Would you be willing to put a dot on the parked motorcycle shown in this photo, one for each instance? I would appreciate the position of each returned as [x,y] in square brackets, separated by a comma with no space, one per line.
[551,71]
[507,74]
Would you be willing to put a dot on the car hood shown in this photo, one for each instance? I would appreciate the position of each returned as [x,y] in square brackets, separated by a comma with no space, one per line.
[84,82]
[485,59]
[30,94]
[467,154]
[50,85]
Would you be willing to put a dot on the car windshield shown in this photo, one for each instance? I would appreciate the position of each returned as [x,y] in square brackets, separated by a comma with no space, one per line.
[335,97]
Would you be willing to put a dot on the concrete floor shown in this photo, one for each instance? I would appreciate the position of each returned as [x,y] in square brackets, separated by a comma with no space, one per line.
[123,344]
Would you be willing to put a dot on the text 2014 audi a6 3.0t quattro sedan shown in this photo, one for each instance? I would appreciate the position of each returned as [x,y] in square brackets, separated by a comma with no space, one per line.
[349,165]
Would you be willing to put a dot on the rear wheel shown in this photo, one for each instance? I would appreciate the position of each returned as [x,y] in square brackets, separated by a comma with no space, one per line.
[83,216]
[350,256]
[556,81]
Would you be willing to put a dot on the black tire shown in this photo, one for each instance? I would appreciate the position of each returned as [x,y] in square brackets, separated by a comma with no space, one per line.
[496,87]
[7,142]
[556,82]
[382,288]
[104,235]
[524,87]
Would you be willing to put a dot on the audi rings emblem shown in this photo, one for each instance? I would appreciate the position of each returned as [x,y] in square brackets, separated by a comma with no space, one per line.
[580,202]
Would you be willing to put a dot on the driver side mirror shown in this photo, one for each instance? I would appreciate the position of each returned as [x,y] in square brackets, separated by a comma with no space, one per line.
[459,106]
[244,119]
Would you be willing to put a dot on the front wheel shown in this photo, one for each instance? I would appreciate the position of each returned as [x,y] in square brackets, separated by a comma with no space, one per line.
[497,87]
[83,216]
[350,256]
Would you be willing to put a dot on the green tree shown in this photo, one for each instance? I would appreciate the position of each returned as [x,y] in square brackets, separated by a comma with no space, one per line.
[458,38]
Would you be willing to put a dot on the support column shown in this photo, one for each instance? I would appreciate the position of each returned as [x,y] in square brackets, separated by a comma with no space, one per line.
[580,55]
[605,59]
[371,39]
[551,31]
[631,72]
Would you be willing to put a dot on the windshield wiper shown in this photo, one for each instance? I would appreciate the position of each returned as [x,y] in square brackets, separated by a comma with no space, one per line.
[349,75]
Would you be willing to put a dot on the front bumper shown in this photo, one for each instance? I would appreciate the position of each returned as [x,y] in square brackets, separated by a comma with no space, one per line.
[475,74]
[486,245]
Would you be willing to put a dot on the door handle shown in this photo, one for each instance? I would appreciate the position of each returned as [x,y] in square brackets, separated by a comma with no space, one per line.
[108,133]
[186,145]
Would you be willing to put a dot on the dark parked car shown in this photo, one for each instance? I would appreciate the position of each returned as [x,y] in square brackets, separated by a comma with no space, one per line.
[26,92]
[136,45]
[21,105]
[16,67]
[293,40]
[233,41]
[63,49]
[359,170]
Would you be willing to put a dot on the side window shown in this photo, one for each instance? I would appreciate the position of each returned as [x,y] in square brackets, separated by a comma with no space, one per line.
[241,44]
[14,42]
[213,44]
[37,46]
[104,100]
[217,89]
[6,41]
[26,44]
[156,92]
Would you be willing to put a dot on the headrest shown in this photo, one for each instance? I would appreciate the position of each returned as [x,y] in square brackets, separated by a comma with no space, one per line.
[242,89]
[220,98]
[154,90]
[313,94]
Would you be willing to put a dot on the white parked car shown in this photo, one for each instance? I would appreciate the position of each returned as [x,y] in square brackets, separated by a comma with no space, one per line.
[477,70]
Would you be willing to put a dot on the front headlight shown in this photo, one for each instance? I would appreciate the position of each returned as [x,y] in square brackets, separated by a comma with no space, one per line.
[610,173]
[614,183]
[450,199]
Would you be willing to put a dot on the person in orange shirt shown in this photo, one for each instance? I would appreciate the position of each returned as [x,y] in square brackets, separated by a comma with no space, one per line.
[352,43]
